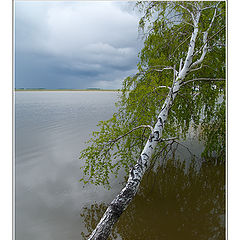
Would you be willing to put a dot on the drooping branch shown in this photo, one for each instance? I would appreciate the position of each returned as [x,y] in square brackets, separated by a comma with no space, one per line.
[202,79]
[134,129]
[111,142]
[159,68]
[187,148]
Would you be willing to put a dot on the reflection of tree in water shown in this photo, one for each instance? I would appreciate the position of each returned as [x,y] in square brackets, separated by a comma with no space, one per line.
[172,203]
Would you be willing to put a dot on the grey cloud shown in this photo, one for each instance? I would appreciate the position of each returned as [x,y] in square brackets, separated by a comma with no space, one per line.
[78,43]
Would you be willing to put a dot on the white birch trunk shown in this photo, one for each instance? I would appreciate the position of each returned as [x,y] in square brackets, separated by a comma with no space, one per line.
[120,203]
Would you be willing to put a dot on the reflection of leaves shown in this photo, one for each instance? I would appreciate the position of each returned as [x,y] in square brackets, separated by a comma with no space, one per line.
[172,203]
[91,216]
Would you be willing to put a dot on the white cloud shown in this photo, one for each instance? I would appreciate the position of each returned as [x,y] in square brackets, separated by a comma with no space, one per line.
[66,29]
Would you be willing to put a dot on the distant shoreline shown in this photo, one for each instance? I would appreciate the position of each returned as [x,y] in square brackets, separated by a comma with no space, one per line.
[61,90]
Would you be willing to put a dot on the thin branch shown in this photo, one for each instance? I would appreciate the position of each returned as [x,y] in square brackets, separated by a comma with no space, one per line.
[168,139]
[181,21]
[202,79]
[174,16]
[141,126]
[205,37]
[162,68]
[179,46]
[190,152]
[195,69]
[207,8]
[207,66]
[209,40]
[156,157]
[180,5]
[162,87]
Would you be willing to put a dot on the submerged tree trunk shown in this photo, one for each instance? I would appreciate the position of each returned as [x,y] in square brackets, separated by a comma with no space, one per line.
[120,203]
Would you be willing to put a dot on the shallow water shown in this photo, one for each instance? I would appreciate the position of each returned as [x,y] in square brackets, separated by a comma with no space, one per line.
[50,131]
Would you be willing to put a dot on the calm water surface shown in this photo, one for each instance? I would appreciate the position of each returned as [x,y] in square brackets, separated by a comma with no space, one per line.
[50,131]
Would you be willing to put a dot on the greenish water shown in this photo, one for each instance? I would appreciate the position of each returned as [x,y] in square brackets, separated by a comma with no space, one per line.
[50,131]
[172,204]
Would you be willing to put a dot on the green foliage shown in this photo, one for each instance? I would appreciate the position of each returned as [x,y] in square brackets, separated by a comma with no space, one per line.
[200,105]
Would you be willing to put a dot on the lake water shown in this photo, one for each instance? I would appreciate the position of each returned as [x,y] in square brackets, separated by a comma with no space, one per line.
[50,131]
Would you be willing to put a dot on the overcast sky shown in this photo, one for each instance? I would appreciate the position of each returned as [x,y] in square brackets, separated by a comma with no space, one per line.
[77,44]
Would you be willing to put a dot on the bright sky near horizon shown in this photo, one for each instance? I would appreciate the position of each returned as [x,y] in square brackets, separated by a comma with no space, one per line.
[77,44]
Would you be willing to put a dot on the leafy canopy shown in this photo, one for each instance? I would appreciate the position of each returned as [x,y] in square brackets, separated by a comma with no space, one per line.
[199,106]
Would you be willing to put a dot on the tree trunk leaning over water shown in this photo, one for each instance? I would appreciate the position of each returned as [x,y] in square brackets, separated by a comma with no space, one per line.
[120,203]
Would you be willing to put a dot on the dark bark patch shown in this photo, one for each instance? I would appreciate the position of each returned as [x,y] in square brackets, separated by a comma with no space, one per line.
[117,209]
[102,237]
[138,165]
[144,154]
[156,133]
[161,121]
[128,193]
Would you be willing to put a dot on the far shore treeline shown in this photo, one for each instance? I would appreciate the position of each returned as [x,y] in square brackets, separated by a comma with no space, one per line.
[64,89]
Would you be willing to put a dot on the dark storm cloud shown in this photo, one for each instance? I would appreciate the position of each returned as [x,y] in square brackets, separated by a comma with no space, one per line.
[74,44]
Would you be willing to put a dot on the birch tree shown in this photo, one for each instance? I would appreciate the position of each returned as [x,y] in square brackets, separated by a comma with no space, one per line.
[180,84]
